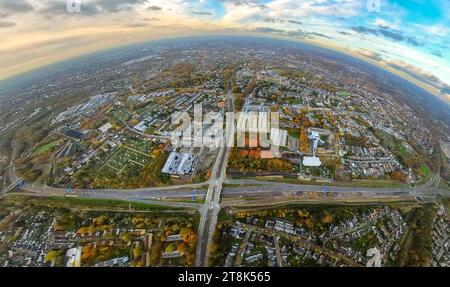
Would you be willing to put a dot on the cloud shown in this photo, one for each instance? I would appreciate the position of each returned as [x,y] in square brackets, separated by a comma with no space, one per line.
[388,33]
[399,36]
[321,35]
[15,6]
[267,30]
[297,33]
[273,20]
[114,6]
[90,8]
[437,53]
[418,73]
[369,54]
[364,30]
[440,29]
[154,8]
[242,2]
[136,25]
[382,23]
[344,33]
[307,8]
[202,13]
[7,24]
[295,22]
[150,19]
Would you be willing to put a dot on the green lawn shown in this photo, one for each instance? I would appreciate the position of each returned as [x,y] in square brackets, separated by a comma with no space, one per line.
[343,94]
[356,183]
[403,151]
[47,147]
[91,203]
[294,133]
[425,170]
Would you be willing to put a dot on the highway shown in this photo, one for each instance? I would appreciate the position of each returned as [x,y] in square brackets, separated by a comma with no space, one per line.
[247,186]
[190,205]
[238,188]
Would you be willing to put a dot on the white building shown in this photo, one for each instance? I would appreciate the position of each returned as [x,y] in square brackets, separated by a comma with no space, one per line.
[278,137]
[142,127]
[311,161]
[180,163]
[106,127]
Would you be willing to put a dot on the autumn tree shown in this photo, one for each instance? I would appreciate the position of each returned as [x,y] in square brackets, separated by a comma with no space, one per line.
[398,175]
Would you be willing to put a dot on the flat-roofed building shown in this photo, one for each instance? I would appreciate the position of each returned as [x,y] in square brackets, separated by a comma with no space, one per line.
[278,137]
[180,163]
[311,161]
[76,135]
[247,122]
[142,127]
[263,122]
[106,127]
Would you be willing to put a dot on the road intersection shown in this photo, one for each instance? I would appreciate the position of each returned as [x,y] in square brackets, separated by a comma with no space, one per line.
[217,185]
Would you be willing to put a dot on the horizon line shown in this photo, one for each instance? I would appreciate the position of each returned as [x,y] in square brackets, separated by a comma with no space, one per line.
[333,48]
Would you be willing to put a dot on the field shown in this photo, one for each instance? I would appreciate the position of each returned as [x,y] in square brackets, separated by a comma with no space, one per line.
[119,115]
[83,203]
[355,183]
[343,94]
[425,170]
[126,157]
[47,147]
[403,151]
[133,164]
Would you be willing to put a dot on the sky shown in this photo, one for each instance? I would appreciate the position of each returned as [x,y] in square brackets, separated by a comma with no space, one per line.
[409,37]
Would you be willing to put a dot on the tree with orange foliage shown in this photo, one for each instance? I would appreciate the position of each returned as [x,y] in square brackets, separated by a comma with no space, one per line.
[398,175]
[181,248]
[309,223]
[327,218]
[134,121]
[279,164]
[188,235]
[189,259]
[304,143]
[156,152]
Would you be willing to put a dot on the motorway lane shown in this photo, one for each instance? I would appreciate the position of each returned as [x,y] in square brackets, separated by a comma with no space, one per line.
[38,188]
[257,188]
[207,214]
[175,191]
[189,205]
[270,186]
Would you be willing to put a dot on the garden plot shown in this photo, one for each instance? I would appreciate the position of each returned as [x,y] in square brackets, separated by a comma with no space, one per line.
[138,146]
[119,115]
[128,159]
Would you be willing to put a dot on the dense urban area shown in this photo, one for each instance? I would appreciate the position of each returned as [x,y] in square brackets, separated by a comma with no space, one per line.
[90,174]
